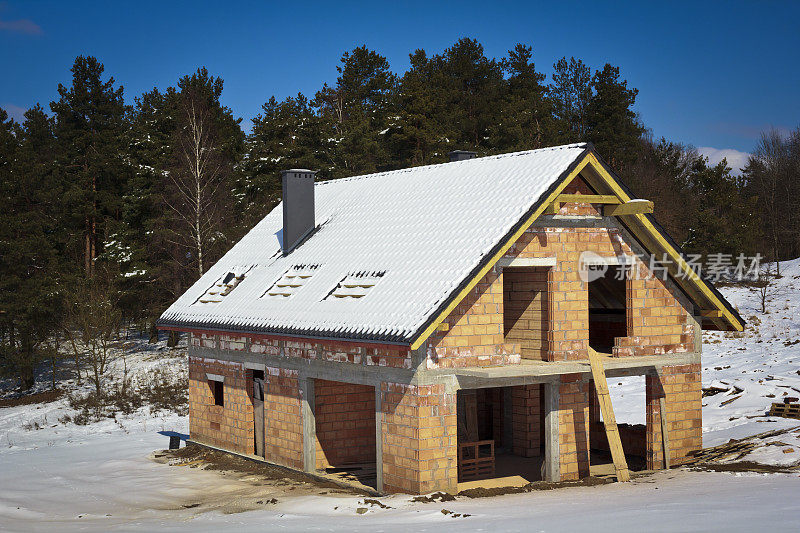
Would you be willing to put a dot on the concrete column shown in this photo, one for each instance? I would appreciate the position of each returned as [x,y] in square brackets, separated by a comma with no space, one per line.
[508,419]
[552,456]
[307,407]
[378,439]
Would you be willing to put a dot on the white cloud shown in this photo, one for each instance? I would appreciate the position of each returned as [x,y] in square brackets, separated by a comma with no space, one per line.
[23,26]
[14,111]
[736,159]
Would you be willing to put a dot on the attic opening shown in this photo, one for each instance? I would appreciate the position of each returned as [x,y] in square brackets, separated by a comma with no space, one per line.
[222,287]
[290,282]
[607,309]
[355,286]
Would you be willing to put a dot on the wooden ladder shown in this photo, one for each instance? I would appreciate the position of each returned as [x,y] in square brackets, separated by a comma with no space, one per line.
[610,423]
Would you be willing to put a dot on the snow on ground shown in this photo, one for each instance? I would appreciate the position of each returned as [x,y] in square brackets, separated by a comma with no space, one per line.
[99,477]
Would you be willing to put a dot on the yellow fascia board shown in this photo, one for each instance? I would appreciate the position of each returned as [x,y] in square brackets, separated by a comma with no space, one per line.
[654,235]
[496,257]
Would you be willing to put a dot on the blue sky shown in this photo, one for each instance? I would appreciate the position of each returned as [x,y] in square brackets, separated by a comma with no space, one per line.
[710,74]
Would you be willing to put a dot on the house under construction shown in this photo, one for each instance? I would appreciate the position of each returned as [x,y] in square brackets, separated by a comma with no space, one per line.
[430,326]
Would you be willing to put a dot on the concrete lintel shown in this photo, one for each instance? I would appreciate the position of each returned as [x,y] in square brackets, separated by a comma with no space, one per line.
[215,377]
[249,365]
[527,262]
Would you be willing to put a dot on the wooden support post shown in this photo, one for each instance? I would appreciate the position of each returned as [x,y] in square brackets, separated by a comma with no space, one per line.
[307,407]
[610,423]
[551,468]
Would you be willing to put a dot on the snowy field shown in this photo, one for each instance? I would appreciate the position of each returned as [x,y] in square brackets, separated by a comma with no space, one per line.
[100,477]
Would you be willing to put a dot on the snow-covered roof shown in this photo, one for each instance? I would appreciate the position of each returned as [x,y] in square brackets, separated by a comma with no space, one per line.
[390,248]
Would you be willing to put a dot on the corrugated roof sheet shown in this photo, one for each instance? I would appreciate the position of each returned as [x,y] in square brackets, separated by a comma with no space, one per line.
[414,234]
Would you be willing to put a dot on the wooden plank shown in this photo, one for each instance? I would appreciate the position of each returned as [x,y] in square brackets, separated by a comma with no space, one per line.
[711,313]
[610,423]
[628,208]
[588,199]
[662,405]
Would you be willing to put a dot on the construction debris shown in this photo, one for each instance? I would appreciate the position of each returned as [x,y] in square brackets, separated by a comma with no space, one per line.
[785,410]
[735,449]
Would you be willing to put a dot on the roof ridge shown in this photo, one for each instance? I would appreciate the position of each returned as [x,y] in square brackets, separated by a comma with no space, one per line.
[486,157]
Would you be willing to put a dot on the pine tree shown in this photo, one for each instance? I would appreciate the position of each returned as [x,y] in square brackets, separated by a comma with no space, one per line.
[418,132]
[612,125]
[91,125]
[355,112]
[30,288]
[526,118]
[285,135]
[571,92]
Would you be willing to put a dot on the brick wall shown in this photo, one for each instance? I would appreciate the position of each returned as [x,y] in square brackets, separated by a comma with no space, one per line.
[229,426]
[681,389]
[419,438]
[657,318]
[573,427]
[283,418]
[345,423]
[476,335]
[527,420]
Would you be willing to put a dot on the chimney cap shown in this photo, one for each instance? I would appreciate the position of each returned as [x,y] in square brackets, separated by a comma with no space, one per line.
[298,171]
[462,155]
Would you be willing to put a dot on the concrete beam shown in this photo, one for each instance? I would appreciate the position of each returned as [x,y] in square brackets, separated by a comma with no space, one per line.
[527,262]
[530,371]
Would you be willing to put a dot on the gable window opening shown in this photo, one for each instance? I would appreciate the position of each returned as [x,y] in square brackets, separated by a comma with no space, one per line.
[607,309]
[290,282]
[355,286]
[218,391]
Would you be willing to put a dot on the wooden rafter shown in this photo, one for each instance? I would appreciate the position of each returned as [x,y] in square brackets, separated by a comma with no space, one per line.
[588,199]
[629,208]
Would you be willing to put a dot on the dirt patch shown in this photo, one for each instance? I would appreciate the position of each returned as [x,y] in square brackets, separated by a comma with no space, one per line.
[196,456]
[478,492]
[27,399]
[435,497]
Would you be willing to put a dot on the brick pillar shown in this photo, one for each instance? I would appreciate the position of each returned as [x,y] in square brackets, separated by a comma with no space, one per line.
[680,387]
[573,427]
[419,438]
[283,418]
[568,311]
[527,420]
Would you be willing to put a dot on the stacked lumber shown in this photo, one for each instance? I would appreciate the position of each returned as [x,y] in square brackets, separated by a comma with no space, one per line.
[786,410]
